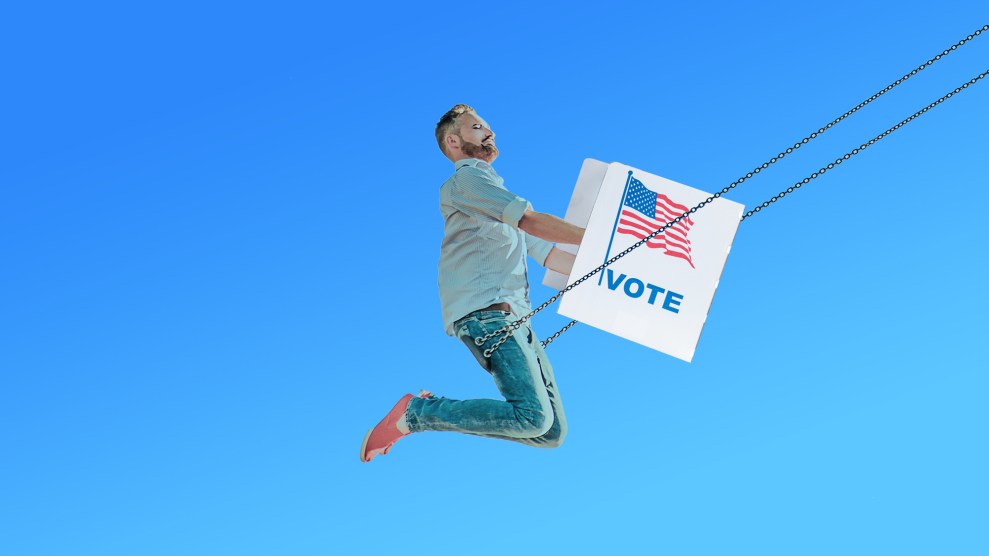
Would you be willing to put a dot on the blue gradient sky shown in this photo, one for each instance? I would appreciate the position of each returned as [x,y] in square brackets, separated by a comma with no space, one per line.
[204,304]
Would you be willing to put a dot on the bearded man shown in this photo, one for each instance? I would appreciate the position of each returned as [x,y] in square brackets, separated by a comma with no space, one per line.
[483,282]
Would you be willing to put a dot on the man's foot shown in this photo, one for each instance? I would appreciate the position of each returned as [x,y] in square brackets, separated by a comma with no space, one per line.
[385,434]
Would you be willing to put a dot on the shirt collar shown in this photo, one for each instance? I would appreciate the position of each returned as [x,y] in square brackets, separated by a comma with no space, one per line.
[468,161]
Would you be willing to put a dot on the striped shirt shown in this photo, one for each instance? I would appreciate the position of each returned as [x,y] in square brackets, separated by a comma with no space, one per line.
[482,257]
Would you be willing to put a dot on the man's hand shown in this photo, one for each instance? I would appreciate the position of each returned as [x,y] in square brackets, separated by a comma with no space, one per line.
[560,261]
[550,228]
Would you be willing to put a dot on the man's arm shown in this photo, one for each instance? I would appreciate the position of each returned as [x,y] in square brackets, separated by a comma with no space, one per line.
[550,228]
[560,261]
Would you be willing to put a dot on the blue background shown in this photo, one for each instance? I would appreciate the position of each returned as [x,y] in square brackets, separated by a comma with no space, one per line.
[219,234]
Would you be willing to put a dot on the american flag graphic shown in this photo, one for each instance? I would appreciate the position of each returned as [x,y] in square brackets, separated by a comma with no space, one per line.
[646,211]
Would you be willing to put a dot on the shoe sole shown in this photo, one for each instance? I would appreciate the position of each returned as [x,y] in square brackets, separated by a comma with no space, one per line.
[364,445]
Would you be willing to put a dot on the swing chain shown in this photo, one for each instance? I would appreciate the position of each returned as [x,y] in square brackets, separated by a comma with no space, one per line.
[864,146]
[783,193]
[549,340]
[506,331]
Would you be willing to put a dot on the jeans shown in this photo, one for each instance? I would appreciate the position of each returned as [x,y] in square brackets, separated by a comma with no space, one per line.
[531,413]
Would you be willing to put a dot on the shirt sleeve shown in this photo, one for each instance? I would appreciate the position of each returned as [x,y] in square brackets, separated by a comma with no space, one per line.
[538,248]
[477,193]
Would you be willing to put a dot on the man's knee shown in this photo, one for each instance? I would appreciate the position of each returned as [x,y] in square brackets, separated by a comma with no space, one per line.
[555,435]
[534,423]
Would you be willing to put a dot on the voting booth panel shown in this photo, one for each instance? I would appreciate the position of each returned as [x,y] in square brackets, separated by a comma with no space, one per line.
[659,294]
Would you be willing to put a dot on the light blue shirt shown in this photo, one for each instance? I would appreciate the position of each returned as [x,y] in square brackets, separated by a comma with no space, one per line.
[482,258]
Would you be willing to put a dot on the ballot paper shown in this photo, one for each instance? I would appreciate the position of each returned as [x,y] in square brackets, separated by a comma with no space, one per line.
[659,294]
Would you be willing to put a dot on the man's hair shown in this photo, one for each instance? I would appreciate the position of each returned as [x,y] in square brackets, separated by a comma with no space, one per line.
[448,123]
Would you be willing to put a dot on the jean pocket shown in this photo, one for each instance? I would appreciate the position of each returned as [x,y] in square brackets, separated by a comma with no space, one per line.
[467,333]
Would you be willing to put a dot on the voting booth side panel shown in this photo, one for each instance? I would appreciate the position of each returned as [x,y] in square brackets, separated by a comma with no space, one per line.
[582,201]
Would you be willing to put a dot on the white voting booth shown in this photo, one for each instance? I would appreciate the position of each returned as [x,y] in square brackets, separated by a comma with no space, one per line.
[659,294]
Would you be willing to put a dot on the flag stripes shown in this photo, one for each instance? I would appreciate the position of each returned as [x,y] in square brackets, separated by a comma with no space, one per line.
[645,211]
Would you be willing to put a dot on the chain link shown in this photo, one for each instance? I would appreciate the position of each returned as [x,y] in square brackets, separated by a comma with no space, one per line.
[506,331]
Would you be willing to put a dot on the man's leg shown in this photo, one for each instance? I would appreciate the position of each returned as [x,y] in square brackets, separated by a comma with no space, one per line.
[532,412]
[555,435]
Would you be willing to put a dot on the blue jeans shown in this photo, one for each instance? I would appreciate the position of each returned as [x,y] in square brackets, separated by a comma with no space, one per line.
[531,412]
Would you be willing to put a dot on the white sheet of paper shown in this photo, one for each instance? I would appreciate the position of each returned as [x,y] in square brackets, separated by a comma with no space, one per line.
[658,295]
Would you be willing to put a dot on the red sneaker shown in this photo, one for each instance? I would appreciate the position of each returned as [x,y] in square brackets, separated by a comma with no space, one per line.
[385,434]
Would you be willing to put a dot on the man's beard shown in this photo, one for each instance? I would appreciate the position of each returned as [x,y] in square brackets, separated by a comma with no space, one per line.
[484,152]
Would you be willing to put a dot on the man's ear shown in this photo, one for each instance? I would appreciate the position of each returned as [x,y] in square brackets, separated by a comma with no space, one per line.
[452,141]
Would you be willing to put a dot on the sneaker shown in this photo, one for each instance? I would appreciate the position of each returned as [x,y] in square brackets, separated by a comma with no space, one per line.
[385,434]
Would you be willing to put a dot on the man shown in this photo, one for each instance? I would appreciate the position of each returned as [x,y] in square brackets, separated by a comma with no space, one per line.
[483,282]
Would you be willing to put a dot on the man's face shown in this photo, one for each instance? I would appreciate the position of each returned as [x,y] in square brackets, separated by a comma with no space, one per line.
[477,139]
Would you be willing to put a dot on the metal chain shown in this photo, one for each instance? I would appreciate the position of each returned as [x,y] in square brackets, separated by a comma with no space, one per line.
[790,189]
[864,146]
[506,331]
